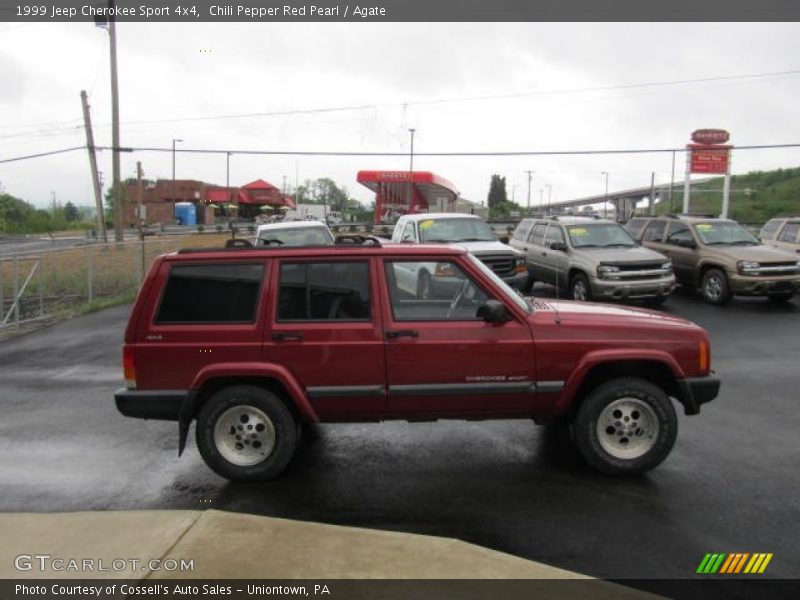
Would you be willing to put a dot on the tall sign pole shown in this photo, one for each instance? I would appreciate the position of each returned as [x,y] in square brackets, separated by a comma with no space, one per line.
[116,189]
[726,190]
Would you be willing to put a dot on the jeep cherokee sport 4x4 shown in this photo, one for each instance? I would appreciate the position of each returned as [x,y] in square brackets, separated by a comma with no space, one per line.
[254,343]
[720,257]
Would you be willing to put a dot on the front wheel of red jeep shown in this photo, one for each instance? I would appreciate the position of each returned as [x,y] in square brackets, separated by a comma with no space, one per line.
[626,426]
[246,433]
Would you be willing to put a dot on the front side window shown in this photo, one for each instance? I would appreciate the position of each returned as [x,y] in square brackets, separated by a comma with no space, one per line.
[455,230]
[789,233]
[554,234]
[296,236]
[211,294]
[432,291]
[325,291]
[599,235]
[724,233]
[408,233]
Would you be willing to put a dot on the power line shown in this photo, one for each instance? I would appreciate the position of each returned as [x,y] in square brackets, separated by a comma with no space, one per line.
[42,154]
[129,149]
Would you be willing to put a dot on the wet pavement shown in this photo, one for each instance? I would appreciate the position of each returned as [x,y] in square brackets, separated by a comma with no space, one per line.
[731,484]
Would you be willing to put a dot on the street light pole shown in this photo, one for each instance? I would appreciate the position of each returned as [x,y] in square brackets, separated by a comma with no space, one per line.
[605,201]
[549,195]
[411,169]
[530,173]
[116,191]
[174,200]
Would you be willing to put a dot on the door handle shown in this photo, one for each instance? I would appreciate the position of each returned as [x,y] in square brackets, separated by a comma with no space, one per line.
[287,336]
[393,335]
[544,253]
[525,248]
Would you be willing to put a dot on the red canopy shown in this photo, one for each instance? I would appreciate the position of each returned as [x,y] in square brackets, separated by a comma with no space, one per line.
[403,192]
[260,192]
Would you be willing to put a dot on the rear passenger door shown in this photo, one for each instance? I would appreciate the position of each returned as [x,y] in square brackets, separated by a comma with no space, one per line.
[325,327]
[556,261]
[206,313]
[534,252]
[683,257]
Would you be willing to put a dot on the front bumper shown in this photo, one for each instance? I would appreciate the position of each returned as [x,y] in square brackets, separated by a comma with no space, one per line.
[749,285]
[696,391]
[620,289]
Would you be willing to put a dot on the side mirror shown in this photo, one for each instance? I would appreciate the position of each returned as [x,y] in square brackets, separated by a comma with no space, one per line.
[560,246]
[503,239]
[494,311]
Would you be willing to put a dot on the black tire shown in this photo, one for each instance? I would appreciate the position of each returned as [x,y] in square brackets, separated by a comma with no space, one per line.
[715,288]
[424,286]
[781,298]
[639,401]
[280,429]
[579,288]
[655,301]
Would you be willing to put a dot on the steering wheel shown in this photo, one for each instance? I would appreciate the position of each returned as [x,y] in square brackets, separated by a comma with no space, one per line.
[458,297]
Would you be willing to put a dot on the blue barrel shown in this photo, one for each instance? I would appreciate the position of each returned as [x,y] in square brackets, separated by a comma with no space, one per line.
[185,213]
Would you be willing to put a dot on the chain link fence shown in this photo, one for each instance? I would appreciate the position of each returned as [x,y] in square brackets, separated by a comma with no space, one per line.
[44,286]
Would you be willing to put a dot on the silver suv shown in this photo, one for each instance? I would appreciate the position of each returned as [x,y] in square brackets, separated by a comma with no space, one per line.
[593,258]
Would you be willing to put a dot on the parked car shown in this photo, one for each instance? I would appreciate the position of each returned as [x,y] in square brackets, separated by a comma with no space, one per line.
[252,343]
[468,231]
[782,232]
[720,257]
[294,233]
[592,258]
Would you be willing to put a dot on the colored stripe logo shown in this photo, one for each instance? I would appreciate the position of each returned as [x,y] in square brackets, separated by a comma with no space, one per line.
[735,563]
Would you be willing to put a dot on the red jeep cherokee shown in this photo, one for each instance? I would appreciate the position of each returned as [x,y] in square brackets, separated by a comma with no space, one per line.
[254,343]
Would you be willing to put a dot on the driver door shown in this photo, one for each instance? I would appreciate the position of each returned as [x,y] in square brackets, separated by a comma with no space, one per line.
[441,358]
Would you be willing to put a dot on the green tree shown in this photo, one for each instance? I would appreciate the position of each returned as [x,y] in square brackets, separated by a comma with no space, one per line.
[497,192]
[71,212]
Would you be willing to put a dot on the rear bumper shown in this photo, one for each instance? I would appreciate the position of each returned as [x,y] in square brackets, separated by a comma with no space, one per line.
[696,391]
[163,405]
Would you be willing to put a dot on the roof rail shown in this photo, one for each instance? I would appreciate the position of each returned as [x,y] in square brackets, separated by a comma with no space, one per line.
[553,218]
[354,239]
[700,215]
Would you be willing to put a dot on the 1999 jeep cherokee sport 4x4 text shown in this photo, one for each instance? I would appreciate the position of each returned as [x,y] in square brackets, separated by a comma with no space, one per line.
[254,343]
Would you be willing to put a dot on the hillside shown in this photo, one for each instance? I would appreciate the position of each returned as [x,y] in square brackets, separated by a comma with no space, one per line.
[755,197]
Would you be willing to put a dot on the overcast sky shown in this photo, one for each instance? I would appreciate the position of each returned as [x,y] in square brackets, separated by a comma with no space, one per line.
[432,77]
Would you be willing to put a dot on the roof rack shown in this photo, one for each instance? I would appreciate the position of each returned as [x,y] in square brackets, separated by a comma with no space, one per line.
[699,215]
[354,239]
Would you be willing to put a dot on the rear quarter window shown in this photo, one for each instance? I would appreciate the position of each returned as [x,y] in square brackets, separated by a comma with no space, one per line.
[224,293]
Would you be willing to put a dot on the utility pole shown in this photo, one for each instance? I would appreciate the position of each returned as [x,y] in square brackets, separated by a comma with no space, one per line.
[140,215]
[174,200]
[672,184]
[227,178]
[605,201]
[726,187]
[549,195]
[651,200]
[98,196]
[530,174]
[686,182]
[115,189]
[411,170]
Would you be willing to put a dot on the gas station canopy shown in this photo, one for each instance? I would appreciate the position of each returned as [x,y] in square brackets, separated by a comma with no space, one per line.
[403,192]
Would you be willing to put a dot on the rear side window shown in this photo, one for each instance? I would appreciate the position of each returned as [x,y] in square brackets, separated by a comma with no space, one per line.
[635,226]
[211,294]
[324,291]
[789,233]
[654,231]
[537,235]
[521,232]
[770,229]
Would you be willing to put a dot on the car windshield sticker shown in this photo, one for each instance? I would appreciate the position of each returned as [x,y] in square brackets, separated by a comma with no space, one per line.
[704,227]
[426,224]
[578,231]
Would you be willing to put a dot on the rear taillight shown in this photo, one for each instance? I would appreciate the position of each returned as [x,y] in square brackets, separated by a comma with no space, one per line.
[128,368]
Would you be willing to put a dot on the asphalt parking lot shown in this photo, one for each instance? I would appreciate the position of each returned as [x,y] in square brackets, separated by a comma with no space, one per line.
[732,483]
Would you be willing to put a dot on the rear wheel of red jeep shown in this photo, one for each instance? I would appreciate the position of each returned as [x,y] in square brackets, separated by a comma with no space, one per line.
[246,433]
[626,426]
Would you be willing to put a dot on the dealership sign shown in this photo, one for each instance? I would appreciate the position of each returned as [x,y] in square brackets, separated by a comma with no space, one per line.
[709,158]
[710,136]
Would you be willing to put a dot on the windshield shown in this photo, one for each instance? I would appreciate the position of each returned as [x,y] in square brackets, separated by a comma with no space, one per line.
[507,289]
[599,235]
[724,233]
[298,236]
[455,230]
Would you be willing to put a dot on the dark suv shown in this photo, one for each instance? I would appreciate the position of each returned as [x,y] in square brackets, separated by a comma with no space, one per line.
[255,343]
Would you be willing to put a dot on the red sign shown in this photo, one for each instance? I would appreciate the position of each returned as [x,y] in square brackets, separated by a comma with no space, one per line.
[709,158]
[710,136]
